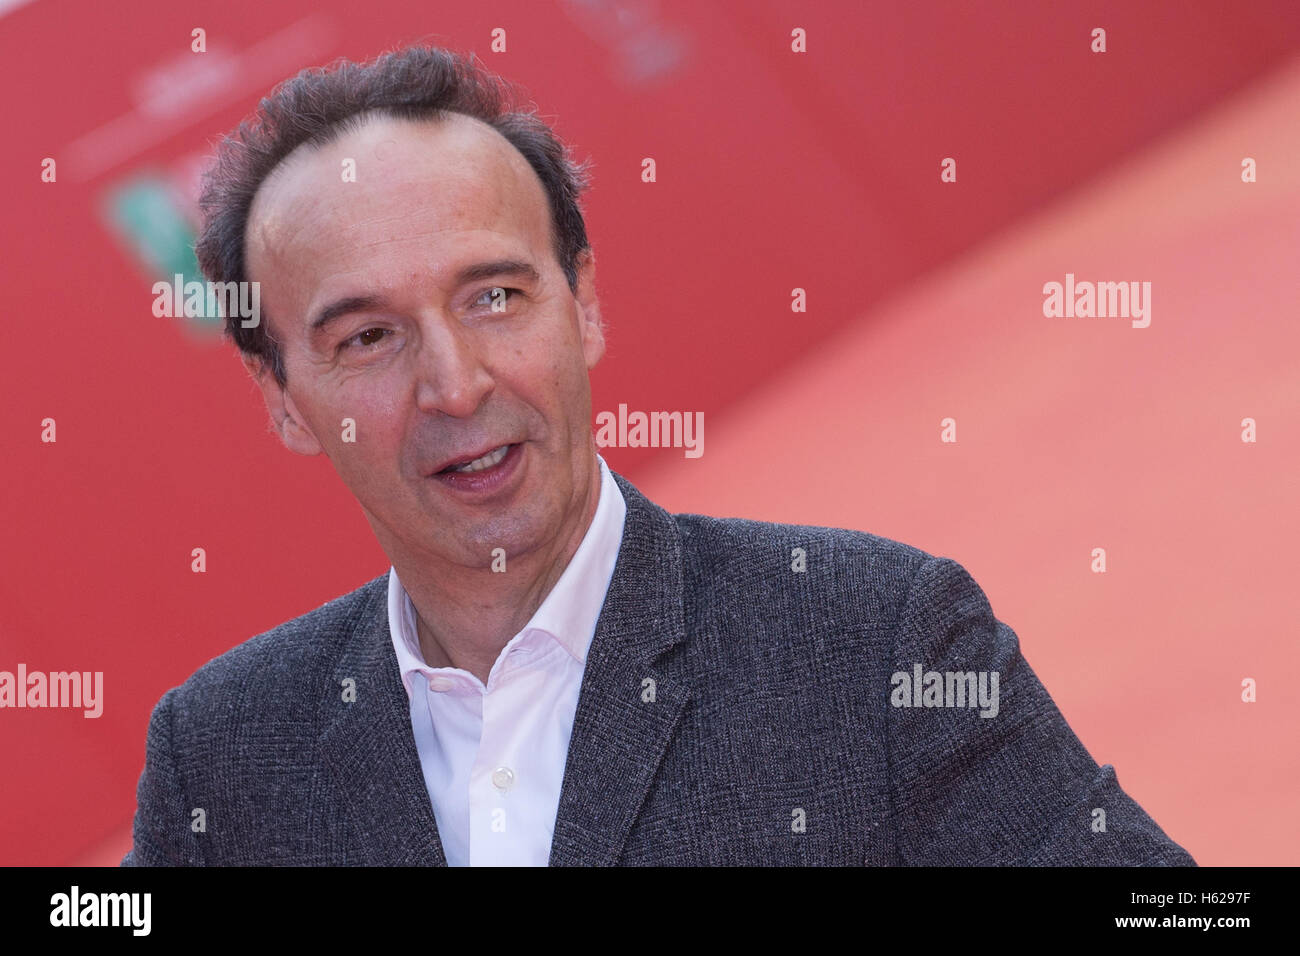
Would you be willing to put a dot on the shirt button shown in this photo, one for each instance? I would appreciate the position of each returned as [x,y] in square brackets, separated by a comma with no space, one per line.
[503,778]
[440,683]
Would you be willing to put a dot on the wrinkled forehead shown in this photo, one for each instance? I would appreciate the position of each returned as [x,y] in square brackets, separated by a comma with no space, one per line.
[392,180]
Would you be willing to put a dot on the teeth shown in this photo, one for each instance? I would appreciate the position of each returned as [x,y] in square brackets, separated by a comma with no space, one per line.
[489,460]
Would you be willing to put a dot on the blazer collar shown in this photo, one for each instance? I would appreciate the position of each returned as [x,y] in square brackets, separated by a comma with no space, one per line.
[369,748]
[628,708]
[632,692]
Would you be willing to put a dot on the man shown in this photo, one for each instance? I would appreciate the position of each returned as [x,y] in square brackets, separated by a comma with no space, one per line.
[556,670]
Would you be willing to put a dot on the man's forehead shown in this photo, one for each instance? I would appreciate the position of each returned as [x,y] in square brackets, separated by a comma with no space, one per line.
[454,172]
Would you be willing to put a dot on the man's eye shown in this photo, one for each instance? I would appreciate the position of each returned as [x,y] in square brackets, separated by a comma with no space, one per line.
[368,338]
[497,294]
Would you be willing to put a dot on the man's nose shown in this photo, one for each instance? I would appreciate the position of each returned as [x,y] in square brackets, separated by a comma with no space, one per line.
[452,376]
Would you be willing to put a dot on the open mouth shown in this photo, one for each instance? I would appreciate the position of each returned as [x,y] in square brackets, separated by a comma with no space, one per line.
[486,475]
[490,460]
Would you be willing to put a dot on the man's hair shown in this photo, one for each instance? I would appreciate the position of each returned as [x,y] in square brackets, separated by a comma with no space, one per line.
[320,104]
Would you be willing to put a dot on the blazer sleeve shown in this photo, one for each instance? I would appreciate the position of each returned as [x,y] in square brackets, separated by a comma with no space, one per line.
[161,833]
[1016,787]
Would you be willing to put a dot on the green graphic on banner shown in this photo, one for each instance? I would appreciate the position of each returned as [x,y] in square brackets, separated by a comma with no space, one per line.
[145,215]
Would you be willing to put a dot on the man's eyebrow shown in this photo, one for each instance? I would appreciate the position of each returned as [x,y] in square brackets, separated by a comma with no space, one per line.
[497,267]
[517,268]
[353,303]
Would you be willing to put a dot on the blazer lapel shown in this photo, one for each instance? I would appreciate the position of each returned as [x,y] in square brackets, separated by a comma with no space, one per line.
[619,734]
[369,750]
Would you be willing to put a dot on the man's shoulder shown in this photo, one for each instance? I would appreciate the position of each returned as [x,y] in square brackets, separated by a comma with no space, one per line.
[716,532]
[781,564]
[293,654]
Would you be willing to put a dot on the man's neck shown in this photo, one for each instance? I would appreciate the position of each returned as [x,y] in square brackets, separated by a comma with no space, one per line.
[476,611]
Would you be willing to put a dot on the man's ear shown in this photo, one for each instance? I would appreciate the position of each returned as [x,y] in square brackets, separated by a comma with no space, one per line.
[288,421]
[591,328]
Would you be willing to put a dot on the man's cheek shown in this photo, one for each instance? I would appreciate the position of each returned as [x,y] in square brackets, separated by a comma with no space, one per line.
[357,455]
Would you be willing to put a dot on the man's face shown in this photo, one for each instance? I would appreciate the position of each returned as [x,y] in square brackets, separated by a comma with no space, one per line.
[431,364]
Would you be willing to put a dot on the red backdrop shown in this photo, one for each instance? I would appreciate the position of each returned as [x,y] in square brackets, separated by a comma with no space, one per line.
[776,170]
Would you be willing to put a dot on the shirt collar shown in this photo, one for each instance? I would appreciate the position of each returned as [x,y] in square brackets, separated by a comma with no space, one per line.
[569,612]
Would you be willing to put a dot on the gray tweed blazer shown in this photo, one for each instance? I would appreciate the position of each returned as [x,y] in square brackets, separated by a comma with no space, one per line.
[775,734]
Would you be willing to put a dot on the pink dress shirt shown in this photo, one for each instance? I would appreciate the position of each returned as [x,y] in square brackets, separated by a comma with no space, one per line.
[493,756]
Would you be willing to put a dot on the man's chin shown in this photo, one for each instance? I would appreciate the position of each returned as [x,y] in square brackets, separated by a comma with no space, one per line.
[491,543]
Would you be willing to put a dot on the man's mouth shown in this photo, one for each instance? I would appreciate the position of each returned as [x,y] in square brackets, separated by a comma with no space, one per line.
[485,477]
[490,460]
